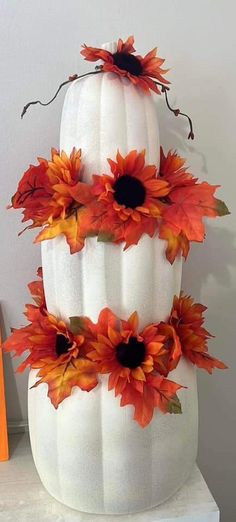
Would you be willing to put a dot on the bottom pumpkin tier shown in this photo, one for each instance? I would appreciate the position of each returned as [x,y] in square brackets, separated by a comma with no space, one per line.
[93,457]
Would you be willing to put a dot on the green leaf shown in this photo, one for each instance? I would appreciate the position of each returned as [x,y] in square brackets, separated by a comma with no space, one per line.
[221,208]
[174,405]
[76,325]
[105,237]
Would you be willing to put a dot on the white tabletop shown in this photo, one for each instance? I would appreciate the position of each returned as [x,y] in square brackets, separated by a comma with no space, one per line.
[24,499]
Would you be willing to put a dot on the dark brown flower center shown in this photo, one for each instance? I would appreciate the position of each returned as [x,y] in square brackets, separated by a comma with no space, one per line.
[128,62]
[129,191]
[168,344]
[63,344]
[131,354]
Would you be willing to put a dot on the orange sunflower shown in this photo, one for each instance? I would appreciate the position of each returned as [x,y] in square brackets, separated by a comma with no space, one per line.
[45,192]
[187,319]
[59,354]
[140,71]
[131,358]
[127,203]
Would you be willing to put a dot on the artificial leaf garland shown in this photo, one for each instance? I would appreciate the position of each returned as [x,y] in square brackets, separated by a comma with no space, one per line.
[132,200]
[137,362]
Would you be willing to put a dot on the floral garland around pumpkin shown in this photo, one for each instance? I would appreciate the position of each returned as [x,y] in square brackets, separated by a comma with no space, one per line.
[137,362]
[133,199]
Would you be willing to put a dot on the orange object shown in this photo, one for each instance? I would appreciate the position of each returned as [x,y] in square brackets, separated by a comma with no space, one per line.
[4,452]
[144,72]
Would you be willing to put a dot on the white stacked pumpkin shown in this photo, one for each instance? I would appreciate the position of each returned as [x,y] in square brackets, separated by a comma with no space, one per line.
[90,453]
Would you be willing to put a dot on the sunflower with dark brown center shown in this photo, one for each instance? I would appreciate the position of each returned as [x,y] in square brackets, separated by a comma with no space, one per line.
[128,62]
[129,200]
[125,353]
[141,71]
[63,344]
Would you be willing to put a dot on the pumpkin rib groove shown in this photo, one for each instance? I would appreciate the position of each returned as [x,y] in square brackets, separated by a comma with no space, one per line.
[102,444]
[125,118]
[153,138]
[55,289]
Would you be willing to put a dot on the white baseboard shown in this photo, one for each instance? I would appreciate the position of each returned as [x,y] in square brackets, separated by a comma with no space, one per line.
[18,426]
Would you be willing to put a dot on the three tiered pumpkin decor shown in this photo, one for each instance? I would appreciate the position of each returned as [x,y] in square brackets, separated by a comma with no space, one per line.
[112,343]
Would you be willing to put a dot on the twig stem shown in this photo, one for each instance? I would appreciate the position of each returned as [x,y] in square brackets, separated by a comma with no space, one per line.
[176,112]
[71,79]
[98,70]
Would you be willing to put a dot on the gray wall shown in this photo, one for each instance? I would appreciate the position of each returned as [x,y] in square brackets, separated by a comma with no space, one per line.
[40,44]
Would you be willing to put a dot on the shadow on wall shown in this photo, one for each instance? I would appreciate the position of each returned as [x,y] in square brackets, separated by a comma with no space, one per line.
[213,258]
[10,372]
[173,129]
[207,276]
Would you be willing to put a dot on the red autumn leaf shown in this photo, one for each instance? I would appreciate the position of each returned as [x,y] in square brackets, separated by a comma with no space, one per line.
[205,361]
[19,341]
[96,222]
[34,194]
[164,393]
[187,319]
[134,231]
[158,392]
[143,404]
[188,206]
[62,378]
[34,187]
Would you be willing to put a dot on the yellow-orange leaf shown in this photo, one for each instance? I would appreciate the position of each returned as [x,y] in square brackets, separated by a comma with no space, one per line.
[189,205]
[176,244]
[62,378]
[69,227]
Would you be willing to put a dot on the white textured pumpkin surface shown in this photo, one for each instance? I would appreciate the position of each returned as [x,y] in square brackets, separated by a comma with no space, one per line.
[104,275]
[89,453]
[101,114]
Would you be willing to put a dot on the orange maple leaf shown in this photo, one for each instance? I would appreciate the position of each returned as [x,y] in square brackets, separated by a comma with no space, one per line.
[157,393]
[187,319]
[70,227]
[19,341]
[61,378]
[34,194]
[204,360]
[172,349]
[188,207]
[176,244]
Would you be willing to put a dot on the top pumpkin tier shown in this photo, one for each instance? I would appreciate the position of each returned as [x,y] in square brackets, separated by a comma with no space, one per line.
[109,113]
[104,113]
